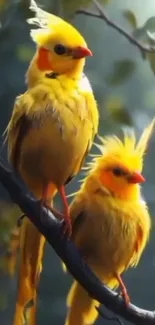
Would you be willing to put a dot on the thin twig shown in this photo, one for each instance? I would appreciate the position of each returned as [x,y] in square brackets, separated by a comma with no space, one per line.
[114,318]
[102,15]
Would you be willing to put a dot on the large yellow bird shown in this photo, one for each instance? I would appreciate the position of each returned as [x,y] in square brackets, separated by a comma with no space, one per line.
[52,128]
[110,220]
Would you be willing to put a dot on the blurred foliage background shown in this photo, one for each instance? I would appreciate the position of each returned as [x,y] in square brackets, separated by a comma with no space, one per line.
[124,86]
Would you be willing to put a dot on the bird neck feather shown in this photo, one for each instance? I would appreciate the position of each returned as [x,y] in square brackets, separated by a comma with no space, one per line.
[34,75]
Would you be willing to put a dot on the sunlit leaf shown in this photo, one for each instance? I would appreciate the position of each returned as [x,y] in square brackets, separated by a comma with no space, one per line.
[131,18]
[122,71]
[24,52]
[116,107]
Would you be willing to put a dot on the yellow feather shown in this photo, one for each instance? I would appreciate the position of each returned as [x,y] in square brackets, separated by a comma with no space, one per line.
[93,155]
[85,168]
[71,195]
[98,146]
[127,152]
[145,137]
[50,27]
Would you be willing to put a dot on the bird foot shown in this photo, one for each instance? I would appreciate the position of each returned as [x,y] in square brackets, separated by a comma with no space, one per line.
[67,227]
[125,297]
[124,292]
[56,213]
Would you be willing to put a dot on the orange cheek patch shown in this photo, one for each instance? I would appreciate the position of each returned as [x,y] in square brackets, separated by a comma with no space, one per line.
[106,179]
[43,60]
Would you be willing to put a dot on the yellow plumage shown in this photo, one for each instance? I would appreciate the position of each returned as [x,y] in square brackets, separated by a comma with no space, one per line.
[50,132]
[110,220]
[52,29]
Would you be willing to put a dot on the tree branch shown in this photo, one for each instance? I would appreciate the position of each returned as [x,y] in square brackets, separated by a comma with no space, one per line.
[104,316]
[102,15]
[51,228]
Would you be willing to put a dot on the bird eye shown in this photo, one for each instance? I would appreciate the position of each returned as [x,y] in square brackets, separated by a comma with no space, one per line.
[59,49]
[118,172]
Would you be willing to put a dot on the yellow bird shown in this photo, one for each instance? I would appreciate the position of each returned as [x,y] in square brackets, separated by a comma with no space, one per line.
[110,220]
[52,128]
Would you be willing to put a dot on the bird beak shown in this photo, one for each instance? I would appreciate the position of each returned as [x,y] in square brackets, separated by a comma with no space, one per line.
[81,52]
[136,178]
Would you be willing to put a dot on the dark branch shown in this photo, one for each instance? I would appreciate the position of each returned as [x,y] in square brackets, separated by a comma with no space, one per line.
[103,315]
[102,15]
[51,228]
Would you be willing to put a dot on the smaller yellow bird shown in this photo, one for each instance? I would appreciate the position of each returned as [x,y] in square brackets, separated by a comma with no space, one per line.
[110,220]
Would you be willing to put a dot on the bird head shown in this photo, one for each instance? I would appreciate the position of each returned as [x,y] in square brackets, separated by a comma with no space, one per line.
[60,46]
[119,168]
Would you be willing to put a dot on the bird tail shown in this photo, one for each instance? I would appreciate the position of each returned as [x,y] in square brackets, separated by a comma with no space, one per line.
[32,247]
[82,308]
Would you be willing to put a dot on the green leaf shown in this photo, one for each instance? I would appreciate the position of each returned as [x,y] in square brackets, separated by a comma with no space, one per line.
[116,107]
[3,5]
[150,24]
[71,6]
[105,2]
[146,34]
[151,60]
[24,52]
[149,98]
[142,34]
[122,71]
[131,18]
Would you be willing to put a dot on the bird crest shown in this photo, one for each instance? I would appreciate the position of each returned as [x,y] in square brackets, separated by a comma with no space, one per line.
[50,27]
[128,152]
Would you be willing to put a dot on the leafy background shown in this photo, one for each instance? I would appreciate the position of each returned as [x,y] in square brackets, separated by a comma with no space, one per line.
[124,86]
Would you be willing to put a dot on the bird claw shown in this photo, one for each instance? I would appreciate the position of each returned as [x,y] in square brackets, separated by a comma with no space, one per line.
[67,228]
[125,297]
[124,292]
[56,213]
